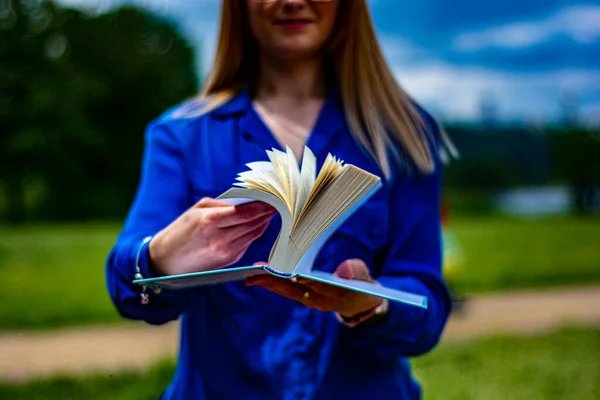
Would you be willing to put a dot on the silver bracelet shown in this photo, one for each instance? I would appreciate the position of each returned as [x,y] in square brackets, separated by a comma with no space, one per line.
[144,297]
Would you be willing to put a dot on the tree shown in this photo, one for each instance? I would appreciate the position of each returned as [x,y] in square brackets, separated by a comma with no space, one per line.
[577,163]
[77,93]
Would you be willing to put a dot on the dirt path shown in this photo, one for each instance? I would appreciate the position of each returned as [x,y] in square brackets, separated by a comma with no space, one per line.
[105,349]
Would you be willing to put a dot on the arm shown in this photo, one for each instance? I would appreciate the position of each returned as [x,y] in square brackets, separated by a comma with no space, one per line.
[413,264]
[163,194]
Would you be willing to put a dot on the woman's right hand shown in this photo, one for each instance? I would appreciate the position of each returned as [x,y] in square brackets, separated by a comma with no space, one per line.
[210,235]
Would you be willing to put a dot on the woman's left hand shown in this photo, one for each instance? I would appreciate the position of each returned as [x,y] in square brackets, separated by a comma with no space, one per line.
[321,296]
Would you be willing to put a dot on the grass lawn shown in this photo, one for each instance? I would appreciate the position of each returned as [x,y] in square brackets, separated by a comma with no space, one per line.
[506,253]
[54,275]
[558,366]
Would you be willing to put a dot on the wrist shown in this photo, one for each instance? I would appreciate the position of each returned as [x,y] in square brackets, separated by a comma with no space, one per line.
[153,258]
[367,308]
[368,317]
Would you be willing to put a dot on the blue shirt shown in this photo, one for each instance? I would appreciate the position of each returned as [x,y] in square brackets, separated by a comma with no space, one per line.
[241,342]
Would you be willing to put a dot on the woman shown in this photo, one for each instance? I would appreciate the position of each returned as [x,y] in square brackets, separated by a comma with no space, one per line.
[289,73]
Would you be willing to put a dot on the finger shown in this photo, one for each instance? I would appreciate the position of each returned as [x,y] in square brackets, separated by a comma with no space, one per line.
[208,202]
[316,286]
[291,289]
[224,217]
[323,289]
[282,286]
[294,291]
[353,269]
[268,278]
[344,270]
[260,279]
[234,232]
[247,238]
[261,263]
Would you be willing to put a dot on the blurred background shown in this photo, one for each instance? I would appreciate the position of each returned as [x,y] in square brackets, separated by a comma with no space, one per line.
[515,83]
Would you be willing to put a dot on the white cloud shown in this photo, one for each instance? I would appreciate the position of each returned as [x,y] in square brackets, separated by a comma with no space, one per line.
[395,48]
[456,92]
[581,23]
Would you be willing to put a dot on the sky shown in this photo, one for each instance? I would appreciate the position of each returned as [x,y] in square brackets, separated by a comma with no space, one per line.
[523,58]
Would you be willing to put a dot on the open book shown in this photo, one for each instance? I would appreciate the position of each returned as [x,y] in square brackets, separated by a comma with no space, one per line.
[312,207]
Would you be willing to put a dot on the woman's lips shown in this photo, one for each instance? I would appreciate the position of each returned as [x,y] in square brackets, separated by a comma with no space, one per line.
[293,24]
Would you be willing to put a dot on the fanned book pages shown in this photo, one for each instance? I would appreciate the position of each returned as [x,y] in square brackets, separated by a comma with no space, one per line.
[312,207]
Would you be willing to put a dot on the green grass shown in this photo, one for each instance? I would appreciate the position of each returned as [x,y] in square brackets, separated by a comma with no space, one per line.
[559,366]
[53,276]
[124,386]
[506,253]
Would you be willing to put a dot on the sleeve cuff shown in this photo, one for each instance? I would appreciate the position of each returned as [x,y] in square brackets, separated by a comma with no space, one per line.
[143,258]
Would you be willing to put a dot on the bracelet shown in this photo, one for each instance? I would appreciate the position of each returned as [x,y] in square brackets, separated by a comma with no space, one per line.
[144,297]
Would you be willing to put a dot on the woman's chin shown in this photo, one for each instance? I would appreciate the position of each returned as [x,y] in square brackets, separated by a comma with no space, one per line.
[295,52]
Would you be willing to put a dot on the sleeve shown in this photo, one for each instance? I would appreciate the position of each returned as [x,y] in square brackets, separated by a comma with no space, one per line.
[162,195]
[413,264]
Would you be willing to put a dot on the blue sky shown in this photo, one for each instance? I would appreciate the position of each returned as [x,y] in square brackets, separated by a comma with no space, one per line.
[522,55]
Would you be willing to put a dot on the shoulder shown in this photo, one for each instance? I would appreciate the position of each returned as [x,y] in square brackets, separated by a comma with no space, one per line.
[171,128]
[198,109]
[184,120]
[187,112]
[183,124]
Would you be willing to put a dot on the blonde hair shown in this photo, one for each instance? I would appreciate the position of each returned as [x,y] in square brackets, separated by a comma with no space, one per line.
[377,109]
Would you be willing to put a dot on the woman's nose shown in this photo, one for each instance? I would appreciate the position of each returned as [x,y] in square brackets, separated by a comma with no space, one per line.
[294,3]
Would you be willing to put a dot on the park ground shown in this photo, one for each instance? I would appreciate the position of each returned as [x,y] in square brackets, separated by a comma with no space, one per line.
[531,329]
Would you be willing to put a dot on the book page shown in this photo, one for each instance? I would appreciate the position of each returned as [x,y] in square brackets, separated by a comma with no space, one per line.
[262,173]
[328,206]
[329,171]
[278,159]
[258,184]
[294,178]
[278,259]
[307,180]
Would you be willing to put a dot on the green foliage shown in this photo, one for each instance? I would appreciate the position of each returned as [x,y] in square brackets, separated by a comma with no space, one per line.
[558,366]
[495,158]
[578,163]
[53,276]
[77,92]
[469,202]
[577,156]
